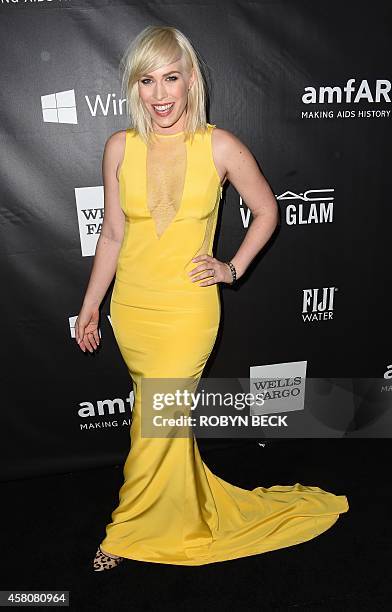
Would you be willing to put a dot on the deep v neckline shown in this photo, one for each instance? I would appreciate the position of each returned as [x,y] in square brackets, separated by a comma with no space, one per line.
[160,189]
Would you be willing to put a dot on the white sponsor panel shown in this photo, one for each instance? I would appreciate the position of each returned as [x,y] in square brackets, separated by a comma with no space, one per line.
[281,384]
[90,211]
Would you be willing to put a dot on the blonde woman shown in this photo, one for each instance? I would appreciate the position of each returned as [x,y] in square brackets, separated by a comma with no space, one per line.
[163,183]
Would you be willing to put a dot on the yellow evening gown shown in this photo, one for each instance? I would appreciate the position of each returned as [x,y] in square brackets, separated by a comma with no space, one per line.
[172,508]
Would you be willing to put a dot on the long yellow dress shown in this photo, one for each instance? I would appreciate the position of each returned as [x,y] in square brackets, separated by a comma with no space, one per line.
[172,508]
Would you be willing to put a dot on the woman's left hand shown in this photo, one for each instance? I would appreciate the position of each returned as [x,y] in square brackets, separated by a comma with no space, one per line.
[211,268]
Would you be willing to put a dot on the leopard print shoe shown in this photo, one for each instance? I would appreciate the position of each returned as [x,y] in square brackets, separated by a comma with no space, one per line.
[103,562]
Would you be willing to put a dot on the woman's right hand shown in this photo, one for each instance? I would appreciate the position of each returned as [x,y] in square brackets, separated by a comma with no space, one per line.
[86,328]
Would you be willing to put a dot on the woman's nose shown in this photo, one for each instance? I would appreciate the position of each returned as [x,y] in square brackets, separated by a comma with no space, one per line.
[160,91]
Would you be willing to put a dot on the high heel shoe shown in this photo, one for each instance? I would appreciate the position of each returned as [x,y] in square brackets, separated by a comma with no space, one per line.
[103,562]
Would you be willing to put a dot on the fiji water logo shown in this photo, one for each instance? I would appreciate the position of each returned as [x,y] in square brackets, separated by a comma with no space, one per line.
[318,304]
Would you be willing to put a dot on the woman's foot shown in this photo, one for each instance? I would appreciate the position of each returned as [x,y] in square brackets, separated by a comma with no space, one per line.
[104,560]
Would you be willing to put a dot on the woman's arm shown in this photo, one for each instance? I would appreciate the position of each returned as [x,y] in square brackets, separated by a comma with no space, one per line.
[108,246]
[112,231]
[244,174]
[236,163]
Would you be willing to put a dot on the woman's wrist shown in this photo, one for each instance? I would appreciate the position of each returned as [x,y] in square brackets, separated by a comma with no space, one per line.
[239,268]
[91,303]
[233,271]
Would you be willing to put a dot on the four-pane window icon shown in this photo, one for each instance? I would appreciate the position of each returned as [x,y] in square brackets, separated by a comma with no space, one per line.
[59,107]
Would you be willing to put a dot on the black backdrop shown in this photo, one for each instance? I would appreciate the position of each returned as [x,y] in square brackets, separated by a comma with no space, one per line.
[277,73]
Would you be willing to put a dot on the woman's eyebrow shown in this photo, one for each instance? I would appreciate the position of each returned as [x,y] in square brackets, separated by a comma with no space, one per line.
[166,74]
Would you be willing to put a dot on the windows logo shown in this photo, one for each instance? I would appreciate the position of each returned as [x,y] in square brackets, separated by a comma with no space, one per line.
[59,107]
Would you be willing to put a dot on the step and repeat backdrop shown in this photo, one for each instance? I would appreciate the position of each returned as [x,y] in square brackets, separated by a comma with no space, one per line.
[307,88]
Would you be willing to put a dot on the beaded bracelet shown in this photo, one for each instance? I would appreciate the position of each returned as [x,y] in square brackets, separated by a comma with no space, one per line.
[232,270]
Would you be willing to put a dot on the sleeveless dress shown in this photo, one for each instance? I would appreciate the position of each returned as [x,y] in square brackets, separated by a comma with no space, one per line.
[172,508]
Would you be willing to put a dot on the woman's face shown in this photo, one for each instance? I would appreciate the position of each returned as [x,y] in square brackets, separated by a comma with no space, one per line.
[166,87]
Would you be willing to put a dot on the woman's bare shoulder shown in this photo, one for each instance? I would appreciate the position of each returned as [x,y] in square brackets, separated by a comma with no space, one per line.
[225,145]
[116,140]
[225,138]
[115,149]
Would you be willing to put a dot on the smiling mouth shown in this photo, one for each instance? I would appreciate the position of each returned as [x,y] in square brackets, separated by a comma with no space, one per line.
[163,109]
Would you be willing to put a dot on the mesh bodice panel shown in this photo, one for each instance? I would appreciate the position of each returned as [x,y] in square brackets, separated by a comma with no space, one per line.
[166,165]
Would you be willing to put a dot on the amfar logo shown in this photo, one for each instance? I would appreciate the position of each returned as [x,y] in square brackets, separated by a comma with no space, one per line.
[59,107]
[31,4]
[90,211]
[317,304]
[312,206]
[388,372]
[105,408]
[344,95]
[330,94]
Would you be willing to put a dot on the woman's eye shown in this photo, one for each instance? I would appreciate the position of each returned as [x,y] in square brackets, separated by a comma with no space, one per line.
[169,77]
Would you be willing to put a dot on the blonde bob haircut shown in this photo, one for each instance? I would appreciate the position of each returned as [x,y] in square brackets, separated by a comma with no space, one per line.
[154,47]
